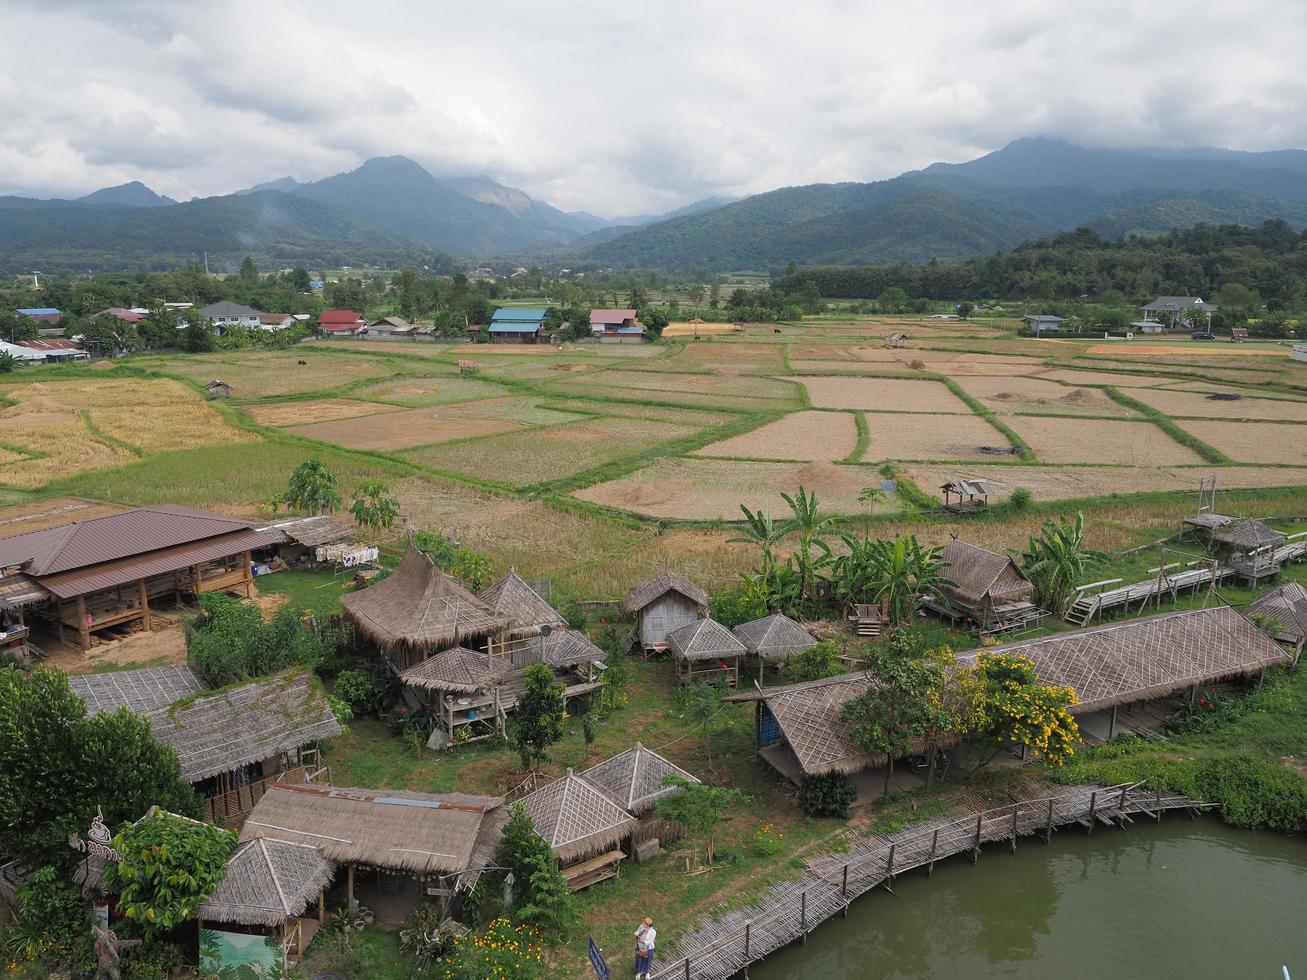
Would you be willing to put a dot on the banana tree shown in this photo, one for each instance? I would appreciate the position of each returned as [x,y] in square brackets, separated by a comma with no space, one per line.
[759,529]
[808,524]
[1057,558]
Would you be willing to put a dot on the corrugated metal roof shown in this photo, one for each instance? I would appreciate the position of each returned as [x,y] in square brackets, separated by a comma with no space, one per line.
[226,308]
[39,311]
[339,316]
[499,327]
[109,574]
[611,316]
[505,314]
[78,544]
[52,344]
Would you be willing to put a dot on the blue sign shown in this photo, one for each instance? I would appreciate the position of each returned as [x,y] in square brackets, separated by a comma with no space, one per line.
[597,960]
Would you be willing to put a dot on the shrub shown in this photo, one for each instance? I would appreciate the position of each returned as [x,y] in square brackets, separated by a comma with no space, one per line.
[230,641]
[356,689]
[812,664]
[501,950]
[768,841]
[52,928]
[828,795]
[1020,498]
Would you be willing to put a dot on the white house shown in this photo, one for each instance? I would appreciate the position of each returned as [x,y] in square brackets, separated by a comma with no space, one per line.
[226,315]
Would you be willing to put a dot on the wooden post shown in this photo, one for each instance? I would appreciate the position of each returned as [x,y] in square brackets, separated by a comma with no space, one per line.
[83,630]
[322,906]
[1016,807]
[1158,806]
[1048,828]
[349,887]
[889,863]
[975,847]
[687,968]
[934,848]
[803,915]
[748,927]
[249,574]
[844,885]
[1093,805]
[145,604]
[1111,725]
[1121,806]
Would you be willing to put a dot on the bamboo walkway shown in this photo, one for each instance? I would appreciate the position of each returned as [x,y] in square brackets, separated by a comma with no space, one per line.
[723,946]
[1086,607]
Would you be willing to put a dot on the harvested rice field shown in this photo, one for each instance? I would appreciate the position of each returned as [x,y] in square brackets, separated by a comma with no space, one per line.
[680,328]
[258,374]
[21,518]
[1190,350]
[883,395]
[1009,395]
[710,383]
[401,430]
[1071,440]
[1187,404]
[1068,482]
[1255,442]
[537,455]
[1119,379]
[714,489]
[801,436]
[690,399]
[440,390]
[317,410]
[930,437]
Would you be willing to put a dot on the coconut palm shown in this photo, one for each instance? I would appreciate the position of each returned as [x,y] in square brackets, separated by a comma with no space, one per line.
[1056,559]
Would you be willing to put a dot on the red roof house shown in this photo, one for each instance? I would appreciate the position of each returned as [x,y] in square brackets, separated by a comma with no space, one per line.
[342,322]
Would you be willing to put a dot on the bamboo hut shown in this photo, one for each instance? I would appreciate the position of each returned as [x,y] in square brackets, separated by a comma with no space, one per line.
[1144,659]
[966,495]
[394,836]
[662,604]
[706,650]
[233,745]
[418,609]
[1287,605]
[634,778]
[265,890]
[140,691]
[1248,546]
[524,608]
[775,637]
[989,592]
[584,826]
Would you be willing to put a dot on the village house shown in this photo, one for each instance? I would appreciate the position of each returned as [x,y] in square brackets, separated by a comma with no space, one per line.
[103,574]
[41,314]
[22,353]
[56,350]
[1167,310]
[512,326]
[120,314]
[616,326]
[277,321]
[989,594]
[342,323]
[391,328]
[663,604]
[1044,323]
[225,315]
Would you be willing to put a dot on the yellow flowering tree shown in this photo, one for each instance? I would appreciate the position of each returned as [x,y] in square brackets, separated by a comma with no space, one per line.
[1021,711]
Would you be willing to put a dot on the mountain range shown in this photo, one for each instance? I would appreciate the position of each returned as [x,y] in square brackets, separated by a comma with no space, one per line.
[390,211]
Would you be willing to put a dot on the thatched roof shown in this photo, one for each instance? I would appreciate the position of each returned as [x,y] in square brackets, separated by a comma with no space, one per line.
[402,830]
[1148,658]
[577,818]
[981,575]
[230,728]
[1288,604]
[420,606]
[268,881]
[774,637]
[524,608]
[706,639]
[634,778]
[311,531]
[568,648]
[808,715]
[1248,535]
[140,691]
[19,591]
[459,669]
[662,583]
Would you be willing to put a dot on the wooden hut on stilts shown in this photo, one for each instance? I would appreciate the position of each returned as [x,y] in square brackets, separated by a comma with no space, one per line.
[1286,605]
[662,604]
[705,650]
[583,825]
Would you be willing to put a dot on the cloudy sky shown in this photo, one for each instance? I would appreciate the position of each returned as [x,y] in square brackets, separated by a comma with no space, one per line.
[621,107]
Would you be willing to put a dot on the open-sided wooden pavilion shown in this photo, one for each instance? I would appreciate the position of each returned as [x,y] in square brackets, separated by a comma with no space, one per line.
[774,638]
[107,573]
[440,839]
[1249,547]
[583,825]
[966,495]
[705,650]
[989,592]
[1286,604]
[266,889]
[418,610]
[662,604]
[634,778]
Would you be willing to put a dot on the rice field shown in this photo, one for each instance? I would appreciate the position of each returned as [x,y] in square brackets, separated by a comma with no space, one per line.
[1254,442]
[883,395]
[898,437]
[1008,395]
[1187,404]
[715,383]
[1072,440]
[800,436]
[257,374]
[314,410]
[443,389]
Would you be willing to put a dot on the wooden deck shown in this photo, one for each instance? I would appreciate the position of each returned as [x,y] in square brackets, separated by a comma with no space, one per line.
[1089,604]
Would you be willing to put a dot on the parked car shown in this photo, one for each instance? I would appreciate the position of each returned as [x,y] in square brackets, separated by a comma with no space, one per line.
[1203,335]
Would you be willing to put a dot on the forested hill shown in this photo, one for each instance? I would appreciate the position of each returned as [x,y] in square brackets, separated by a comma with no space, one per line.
[951,211]
[1269,263]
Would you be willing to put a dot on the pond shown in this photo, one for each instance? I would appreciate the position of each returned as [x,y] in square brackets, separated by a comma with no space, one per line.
[1182,899]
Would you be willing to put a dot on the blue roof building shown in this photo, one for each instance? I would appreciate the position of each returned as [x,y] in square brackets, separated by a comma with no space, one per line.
[39,311]
[514,326]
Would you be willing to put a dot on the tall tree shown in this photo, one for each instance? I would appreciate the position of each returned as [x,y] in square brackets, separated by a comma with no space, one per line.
[537,722]
[248,271]
[372,508]
[312,488]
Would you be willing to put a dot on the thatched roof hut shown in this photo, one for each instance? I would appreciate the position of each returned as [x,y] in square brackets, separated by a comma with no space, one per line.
[569,648]
[400,830]
[1286,603]
[662,583]
[706,639]
[268,881]
[982,577]
[774,637]
[1248,535]
[310,532]
[460,669]
[634,778]
[1147,658]
[140,691]
[524,608]
[576,818]
[421,608]
[221,732]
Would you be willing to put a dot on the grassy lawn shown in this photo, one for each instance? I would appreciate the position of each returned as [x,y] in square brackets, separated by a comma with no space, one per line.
[317,592]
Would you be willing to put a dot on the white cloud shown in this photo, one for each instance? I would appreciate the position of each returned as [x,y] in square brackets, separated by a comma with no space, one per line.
[620,108]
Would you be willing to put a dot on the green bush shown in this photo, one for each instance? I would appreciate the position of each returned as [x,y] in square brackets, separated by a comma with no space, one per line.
[356,689]
[52,930]
[230,641]
[828,795]
[817,662]
[1020,499]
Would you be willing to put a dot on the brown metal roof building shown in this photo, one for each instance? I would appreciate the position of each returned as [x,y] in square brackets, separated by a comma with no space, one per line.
[104,572]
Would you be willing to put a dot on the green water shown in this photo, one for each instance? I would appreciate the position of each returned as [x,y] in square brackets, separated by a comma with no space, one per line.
[1189,900]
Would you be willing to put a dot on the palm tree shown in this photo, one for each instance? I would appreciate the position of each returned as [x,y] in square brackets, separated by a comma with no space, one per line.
[809,524]
[761,530]
[1057,558]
